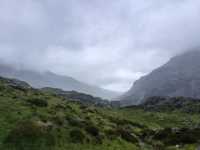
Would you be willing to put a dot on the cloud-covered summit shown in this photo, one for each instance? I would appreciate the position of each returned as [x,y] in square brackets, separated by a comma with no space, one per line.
[106,43]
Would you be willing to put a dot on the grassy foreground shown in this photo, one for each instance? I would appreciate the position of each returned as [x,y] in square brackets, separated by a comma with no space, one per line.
[31,119]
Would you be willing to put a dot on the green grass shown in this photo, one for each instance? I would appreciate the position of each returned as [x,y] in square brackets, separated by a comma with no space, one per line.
[35,120]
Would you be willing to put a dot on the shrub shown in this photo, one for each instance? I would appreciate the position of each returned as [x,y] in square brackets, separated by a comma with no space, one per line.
[75,121]
[158,145]
[146,133]
[92,130]
[180,136]
[111,134]
[95,133]
[60,107]
[30,135]
[58,120]
[77,136]
[127,135]
[123,122]
[38,102]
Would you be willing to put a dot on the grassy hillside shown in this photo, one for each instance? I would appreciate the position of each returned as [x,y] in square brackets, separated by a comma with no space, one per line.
[31,119]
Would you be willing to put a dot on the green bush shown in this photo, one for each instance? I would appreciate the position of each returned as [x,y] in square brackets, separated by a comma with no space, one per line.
[58,120]
[77,136]
[179,136]
[29,135]
[158,146]
[127,135]
[92,130]
[38,102]
[111,134]
[95,133]
[75,121]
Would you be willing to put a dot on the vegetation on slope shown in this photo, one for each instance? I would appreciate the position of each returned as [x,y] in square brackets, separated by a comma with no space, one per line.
[169,104]
[32,119]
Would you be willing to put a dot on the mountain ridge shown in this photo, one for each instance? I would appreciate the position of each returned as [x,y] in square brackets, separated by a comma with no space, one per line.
[178,77]
[50,79]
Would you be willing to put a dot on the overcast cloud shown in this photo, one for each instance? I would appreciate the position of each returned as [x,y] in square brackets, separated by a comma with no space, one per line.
[109,43]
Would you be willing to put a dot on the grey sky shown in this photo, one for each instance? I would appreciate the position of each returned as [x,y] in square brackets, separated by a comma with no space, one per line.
[105,43]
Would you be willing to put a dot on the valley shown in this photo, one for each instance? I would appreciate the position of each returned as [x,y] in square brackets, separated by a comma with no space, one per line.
[99,75]
[32,119]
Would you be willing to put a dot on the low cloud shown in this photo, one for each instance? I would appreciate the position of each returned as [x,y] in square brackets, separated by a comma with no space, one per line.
[106,43]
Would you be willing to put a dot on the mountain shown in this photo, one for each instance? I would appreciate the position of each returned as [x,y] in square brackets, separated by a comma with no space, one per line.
[178,77]
[49,79]
[73,96]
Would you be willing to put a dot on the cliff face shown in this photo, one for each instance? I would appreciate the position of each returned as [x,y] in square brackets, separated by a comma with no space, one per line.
[179,77]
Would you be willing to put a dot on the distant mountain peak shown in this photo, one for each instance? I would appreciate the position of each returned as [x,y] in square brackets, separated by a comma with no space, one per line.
[178,77]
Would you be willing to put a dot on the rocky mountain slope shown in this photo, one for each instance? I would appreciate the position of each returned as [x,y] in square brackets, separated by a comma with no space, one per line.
[49,79]
[179,77]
